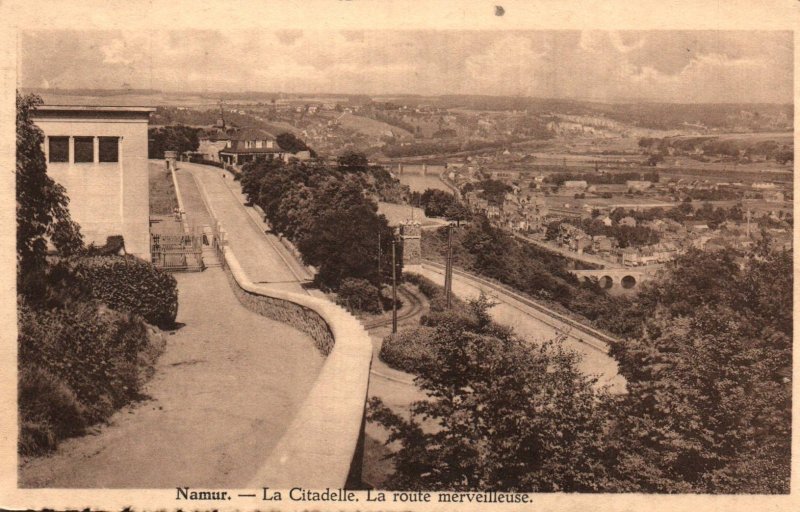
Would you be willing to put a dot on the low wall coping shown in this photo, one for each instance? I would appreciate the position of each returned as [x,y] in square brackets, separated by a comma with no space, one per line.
[317,449]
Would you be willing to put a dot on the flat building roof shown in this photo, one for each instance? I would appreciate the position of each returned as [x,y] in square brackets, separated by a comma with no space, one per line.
[93,108]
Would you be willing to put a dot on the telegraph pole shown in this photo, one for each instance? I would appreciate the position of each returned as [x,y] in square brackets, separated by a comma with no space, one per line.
[394,289]
[447,269]
[379,254]
[448,277]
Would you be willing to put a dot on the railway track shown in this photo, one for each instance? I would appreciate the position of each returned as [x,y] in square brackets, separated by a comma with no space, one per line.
[603,342]
[410,298]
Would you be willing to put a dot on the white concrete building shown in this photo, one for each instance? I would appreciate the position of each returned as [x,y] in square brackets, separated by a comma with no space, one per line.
[99,154]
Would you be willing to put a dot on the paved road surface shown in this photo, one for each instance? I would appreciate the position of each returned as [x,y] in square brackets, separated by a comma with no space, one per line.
[224,392]
[263,258]
[527,322]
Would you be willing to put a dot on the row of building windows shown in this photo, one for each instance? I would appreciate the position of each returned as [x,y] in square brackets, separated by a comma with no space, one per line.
[108,151]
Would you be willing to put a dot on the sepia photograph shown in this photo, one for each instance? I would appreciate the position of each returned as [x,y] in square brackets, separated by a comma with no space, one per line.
[395,266]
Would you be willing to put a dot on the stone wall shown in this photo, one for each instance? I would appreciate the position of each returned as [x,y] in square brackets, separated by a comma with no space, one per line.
[323,445]
[302,318]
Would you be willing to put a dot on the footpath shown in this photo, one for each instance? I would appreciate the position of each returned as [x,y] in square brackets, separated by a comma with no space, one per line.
[226,388]
[224,391]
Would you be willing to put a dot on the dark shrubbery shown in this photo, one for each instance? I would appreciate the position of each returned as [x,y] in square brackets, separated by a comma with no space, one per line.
[48,410]
[412,349]
[126,283]
[359,295]
[329,213]
[78,364]
[197,159]
[409,350]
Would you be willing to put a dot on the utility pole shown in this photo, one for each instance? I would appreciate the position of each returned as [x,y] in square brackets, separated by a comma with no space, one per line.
[379,254]
[394,289]
[447,269]
[448,276]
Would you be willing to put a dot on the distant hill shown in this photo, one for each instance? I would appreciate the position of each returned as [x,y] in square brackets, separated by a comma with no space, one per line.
[731,117]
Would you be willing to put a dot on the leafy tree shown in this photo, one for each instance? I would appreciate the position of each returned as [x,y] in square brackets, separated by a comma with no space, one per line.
[42,204]
[494,191]
[327,213]
[708,407]
[501,414]
[359,295]
[457,211]
[706,410]
[291,143]
[341,247]
[435,202]
[178,138]
[352,161]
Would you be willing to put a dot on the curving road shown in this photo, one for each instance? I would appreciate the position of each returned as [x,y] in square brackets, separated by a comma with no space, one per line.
[535,325]
[264,259]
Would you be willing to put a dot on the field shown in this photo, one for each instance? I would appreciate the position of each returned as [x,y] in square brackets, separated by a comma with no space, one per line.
[420,183]
[370,127]
[162,190]
[397,213]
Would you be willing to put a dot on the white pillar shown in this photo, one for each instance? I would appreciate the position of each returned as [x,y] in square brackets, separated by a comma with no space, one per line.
[71,157]
[121,182]
[96,149]
[47,149]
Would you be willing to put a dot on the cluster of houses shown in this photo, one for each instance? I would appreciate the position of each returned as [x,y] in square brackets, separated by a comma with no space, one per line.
[532,204]
[607,247]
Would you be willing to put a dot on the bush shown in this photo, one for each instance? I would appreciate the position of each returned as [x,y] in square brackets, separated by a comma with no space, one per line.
[427,287]
[198,159]
[77,365]
[48,410]
[126,283]
[409,350]
[359,295]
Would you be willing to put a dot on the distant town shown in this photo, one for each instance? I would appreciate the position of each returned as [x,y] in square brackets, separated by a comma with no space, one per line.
[619,185]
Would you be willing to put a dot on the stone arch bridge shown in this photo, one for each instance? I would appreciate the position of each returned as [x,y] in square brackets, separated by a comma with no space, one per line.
[617,279]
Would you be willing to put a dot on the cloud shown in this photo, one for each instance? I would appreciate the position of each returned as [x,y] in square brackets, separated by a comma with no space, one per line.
[288,37]
[507,66]
[115,53]
[601,65]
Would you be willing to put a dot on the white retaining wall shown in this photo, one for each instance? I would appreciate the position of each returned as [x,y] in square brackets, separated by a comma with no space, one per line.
[322,446]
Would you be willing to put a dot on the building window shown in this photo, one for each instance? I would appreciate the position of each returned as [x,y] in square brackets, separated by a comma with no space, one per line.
[59,149]
[109,149]
[84,149]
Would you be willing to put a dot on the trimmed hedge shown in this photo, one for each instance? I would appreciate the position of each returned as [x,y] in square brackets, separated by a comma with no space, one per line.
[409,350]
[359,295]
[127,283]
[77,365]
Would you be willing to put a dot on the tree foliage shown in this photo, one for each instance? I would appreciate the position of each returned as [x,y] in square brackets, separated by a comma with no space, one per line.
[177,137]
[501,414]
[291,143]
[707,409]
[42,204]
[329,213]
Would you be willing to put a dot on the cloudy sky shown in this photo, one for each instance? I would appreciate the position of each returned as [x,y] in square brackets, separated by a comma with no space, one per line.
[690,66]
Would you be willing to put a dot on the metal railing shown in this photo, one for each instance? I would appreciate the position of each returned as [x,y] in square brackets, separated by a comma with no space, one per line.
[177,252]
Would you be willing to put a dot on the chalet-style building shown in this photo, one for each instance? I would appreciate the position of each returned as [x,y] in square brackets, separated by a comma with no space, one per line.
[250,146]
